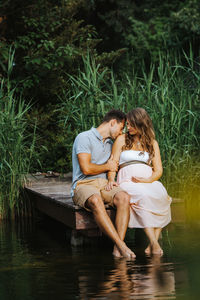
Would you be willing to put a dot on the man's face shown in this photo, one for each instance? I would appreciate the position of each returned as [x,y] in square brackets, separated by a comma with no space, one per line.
[116,129]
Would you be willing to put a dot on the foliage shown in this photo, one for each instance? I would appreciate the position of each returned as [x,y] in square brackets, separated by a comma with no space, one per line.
[52,43]
[52,150]
[93,92]
[15,147]
[50,38]
[147,28]
[173,103]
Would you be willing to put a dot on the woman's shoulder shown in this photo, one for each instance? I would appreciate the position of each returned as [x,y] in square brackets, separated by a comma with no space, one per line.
[120,139]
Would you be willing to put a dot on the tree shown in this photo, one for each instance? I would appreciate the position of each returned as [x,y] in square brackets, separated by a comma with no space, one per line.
[146,27]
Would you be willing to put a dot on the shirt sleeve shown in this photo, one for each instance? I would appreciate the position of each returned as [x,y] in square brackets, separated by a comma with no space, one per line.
[83,144]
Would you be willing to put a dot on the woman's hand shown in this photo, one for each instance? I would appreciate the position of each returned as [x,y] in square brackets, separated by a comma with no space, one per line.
[110,185]
[142,179]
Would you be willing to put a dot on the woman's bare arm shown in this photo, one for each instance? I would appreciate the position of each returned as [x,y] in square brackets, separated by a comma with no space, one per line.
[116,150]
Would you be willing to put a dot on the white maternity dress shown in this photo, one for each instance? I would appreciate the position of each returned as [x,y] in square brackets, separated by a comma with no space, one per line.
[150,203]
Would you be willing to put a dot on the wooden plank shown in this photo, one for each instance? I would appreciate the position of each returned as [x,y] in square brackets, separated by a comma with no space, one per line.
[63,210]
[85,220]
[58,210]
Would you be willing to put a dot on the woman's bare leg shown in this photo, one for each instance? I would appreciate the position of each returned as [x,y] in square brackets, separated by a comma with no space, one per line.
[157,231]
[154,246]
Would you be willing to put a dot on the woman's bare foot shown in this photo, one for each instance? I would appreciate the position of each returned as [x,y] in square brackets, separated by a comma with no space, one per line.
[156,249]
[123,251]
[148,250]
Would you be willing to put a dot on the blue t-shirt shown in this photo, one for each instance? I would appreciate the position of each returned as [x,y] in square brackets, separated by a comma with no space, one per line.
[90,142]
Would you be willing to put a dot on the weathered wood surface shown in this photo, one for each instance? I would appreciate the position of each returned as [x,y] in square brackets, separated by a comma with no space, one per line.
[52,197]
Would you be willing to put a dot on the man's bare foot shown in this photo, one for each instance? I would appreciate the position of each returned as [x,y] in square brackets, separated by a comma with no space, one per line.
[116,252]
[124,251]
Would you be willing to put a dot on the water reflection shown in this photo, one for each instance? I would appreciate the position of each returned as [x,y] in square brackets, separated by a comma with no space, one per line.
[133,280]
[38,263]
[155,279]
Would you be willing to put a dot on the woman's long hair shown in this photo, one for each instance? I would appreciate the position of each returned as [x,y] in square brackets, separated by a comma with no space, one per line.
[139,119]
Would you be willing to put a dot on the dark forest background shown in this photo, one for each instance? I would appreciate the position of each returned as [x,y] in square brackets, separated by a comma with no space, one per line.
[49,44]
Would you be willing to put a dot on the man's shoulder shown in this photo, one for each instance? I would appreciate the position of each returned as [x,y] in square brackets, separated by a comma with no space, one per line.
[84,134]
[83,137]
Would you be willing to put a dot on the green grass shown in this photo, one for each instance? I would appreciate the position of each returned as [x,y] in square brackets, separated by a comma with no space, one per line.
[15,148]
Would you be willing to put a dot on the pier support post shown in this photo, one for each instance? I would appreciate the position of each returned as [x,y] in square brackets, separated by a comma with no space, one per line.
[77,238]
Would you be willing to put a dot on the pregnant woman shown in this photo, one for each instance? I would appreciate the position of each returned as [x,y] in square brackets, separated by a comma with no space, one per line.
[140,167]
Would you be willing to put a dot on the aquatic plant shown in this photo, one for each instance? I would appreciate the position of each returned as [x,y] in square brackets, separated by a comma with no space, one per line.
[15,147]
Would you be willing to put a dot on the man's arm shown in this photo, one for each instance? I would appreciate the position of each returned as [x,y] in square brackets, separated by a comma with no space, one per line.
[89,168]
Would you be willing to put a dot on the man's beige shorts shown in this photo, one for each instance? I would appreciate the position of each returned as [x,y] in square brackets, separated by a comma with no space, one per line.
[86,188]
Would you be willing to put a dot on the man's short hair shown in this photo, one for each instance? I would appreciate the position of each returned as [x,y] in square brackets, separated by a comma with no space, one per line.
[115,114]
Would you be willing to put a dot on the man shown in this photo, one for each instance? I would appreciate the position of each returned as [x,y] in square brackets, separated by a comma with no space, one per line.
[91,158]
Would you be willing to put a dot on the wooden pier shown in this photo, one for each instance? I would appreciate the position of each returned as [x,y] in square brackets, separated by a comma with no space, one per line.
[51,196]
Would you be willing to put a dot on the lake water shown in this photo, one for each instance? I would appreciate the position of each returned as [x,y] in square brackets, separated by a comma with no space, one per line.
[37,262]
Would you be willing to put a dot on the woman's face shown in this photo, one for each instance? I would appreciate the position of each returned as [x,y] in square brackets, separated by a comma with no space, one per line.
[132,130]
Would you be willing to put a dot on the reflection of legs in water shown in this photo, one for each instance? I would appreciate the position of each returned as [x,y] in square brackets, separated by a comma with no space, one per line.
[102,219]
[153,235]
[118,282]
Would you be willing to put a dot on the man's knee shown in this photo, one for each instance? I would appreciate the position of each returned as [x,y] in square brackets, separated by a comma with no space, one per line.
[122,199]
[94,202]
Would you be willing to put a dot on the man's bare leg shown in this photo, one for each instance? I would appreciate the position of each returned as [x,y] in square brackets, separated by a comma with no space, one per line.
[157,231]
[154,245]
[122,204]
[102,219]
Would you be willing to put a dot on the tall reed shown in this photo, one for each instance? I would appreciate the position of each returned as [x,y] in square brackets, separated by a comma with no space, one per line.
[15,149]
[93,92]
[170,94]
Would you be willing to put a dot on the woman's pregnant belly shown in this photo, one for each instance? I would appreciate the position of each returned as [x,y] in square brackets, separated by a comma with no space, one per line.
[137,170]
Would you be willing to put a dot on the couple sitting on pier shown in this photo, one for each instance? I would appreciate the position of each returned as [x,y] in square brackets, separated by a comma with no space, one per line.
[141,201]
